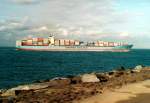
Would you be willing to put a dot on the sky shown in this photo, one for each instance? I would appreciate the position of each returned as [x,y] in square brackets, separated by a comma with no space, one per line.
[113,20]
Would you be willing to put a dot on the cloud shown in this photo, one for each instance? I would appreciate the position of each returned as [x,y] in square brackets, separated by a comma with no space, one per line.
[14,29]
[80,19]
[8,25]
[124,35]
[26,2]
[40,29]
[13,24]
[94,17]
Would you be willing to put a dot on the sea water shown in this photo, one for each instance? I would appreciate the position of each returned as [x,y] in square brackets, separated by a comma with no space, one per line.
[22,67]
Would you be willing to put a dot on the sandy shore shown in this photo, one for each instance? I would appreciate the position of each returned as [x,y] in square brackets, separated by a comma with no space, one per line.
[131,93]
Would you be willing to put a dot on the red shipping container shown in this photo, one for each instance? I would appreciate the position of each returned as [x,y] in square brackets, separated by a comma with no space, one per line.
[72,42]
[67,42]
[29,44]
[40,39]
[111,44]
[23,43]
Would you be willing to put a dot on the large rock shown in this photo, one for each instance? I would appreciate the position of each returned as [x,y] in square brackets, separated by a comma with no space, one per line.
[89,78]
[137,69]
[59,82]
[75,80]
[31,86]
[36,86]
[102,77]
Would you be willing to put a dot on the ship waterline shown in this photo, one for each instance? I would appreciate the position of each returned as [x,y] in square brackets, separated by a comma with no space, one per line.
[75,48]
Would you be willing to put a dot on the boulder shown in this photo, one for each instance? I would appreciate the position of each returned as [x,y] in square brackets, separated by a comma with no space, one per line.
[76,80]
[111,73]
[119,73]
[2,91]
[102,77]
[8,93]
[89,78]
[137,69]
[11,92]
[59,82]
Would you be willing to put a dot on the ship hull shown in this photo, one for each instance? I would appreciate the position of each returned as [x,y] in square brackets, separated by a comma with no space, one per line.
[124,48]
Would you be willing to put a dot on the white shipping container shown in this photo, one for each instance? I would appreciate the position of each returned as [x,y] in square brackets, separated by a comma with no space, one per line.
[96,44]
[35,39]
[119,44]
[40,43]
[66,41]
[72,41]
[57,42]
[77,43]
[45,41]
[101,44]
[115,44]
[62,42]
[125,44]
[105,43]
[29,41]
[18,43]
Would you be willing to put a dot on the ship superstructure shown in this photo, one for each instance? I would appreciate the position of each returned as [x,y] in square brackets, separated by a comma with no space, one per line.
[53,44]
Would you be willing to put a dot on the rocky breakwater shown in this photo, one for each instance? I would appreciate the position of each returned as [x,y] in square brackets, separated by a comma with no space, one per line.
[66,90]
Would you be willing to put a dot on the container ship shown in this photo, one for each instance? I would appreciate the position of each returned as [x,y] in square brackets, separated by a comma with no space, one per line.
[53,44]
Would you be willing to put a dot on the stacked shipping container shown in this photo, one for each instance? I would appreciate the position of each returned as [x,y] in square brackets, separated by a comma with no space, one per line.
[67,42]
[45,42]
[96,43]
[29,42]
[72,42]
[111,44]
[77,43]
[35,42]
[57,42]
[64,42]
[103,43]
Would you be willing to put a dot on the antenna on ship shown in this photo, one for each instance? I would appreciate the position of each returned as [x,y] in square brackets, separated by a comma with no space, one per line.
[51,39]
[51,35]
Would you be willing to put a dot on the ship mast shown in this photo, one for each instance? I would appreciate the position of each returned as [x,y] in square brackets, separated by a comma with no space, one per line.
[51,39]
